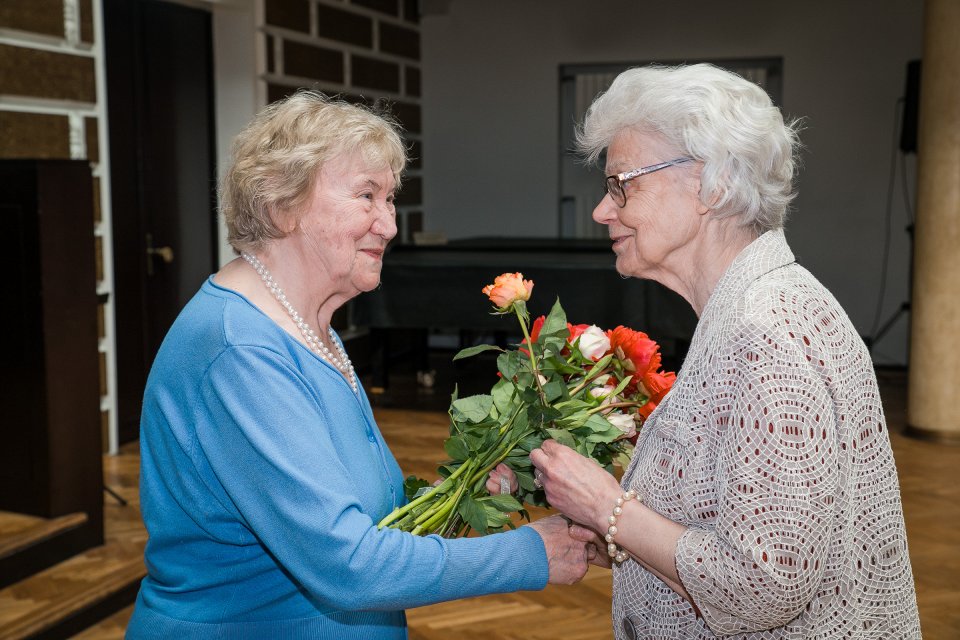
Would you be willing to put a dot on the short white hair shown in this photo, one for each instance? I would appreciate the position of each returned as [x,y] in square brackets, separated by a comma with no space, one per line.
[713,116]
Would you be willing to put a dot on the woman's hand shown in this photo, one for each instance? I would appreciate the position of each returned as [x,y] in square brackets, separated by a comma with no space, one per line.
[575,485]
[567,557]
[596,545]
[502,477]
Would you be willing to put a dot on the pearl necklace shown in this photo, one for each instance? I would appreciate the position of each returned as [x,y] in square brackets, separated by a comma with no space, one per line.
[341,363]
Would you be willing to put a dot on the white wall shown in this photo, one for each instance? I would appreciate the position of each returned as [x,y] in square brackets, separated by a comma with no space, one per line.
[237,100]
[490,108]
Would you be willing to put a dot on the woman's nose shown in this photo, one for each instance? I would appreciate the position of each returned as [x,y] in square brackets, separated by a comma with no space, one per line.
[605,211]
[386,223]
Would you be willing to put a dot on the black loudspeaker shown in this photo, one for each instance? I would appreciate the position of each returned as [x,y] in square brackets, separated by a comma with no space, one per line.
[911,109]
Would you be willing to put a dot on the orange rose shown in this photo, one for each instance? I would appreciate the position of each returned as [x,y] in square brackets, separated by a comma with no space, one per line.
[507,289]
[642,356]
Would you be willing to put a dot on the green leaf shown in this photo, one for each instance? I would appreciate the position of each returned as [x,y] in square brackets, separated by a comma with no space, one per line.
[519,461]
[554,345]
[473,513]
[472,408]
[529,397]
[526,481]
[508,364]
[457,448]
[503,502]
[496,519]
[413,484]
[562,436]
[539,415]
[553,390]
[503,396]
[472,351]
[560,365]
[623,384]
[600,365]
[556,320]
[603,431]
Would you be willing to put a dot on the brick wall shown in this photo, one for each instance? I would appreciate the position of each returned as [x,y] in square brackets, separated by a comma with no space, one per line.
[361,50]
[50,72]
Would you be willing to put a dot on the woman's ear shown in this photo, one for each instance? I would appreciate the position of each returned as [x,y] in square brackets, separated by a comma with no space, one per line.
[285,220]
[707,202]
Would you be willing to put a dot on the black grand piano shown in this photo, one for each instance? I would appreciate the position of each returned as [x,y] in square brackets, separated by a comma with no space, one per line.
[438,288]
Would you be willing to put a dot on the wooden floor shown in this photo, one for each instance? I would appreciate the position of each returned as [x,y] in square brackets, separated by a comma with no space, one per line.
[931,496]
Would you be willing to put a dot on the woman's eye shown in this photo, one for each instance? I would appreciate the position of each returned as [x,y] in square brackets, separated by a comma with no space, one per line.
[368,196]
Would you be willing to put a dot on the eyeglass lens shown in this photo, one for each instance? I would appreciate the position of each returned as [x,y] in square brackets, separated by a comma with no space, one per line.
[613,186]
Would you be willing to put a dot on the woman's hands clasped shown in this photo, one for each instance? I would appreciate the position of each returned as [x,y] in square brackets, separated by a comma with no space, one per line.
[568,558]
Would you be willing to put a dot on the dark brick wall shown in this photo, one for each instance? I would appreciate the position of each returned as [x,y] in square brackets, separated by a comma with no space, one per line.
[363,51]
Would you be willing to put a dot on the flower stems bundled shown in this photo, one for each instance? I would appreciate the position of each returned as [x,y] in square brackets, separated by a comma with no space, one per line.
[570,383]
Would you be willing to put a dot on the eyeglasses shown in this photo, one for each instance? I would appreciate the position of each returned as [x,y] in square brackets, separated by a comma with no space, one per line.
[614,184]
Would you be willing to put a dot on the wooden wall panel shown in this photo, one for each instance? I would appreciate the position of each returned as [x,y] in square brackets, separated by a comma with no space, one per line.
[344,26]
[33,135]
[307,61]
[46,74]
[289,14]
[86,20]
[36,16]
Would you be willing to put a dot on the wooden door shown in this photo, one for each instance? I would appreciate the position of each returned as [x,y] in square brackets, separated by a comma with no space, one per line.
[160,110]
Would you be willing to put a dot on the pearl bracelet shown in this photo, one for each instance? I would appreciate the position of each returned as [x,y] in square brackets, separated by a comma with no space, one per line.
[616,552]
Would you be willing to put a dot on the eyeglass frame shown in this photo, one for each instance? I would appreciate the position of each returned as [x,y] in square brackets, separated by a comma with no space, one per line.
[614,183]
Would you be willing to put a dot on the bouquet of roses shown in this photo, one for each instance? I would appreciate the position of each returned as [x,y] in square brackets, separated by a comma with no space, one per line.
[584,387]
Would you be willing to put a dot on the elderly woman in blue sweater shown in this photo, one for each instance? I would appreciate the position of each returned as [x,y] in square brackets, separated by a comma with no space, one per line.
[263,471]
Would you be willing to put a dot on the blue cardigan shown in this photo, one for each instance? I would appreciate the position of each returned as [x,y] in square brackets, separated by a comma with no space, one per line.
[263,476]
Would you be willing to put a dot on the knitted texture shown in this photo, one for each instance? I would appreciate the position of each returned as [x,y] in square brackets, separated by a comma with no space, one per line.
[772,449]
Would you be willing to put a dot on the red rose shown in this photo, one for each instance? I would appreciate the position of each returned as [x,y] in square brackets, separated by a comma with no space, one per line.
[575,331]
[641,354]
[642,359]
[537,326]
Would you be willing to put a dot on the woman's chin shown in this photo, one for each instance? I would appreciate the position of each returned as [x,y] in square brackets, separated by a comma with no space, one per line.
[368,282]
[625,267]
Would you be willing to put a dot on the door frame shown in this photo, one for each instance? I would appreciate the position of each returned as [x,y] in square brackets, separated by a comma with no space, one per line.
[124,64]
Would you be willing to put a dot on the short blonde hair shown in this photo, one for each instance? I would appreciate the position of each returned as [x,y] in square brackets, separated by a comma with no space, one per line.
[277,158]
[714,116]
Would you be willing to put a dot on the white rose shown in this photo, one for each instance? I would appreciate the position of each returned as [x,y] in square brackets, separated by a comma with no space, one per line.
[594,343]
[605,392]
[624,422]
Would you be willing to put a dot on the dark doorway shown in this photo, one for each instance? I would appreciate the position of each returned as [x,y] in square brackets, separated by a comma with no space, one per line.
[163,185]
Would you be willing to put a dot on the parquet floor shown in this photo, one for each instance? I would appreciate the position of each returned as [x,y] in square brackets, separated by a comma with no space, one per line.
[54,594]
[931,497]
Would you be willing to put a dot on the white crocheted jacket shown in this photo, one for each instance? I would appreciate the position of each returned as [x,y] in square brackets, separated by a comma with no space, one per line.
[772,448]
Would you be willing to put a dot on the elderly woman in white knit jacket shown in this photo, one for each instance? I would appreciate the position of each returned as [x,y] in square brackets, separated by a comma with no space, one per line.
[762,501]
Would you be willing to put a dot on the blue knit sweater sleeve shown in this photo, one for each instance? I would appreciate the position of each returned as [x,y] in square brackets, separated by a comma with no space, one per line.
[269,433]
